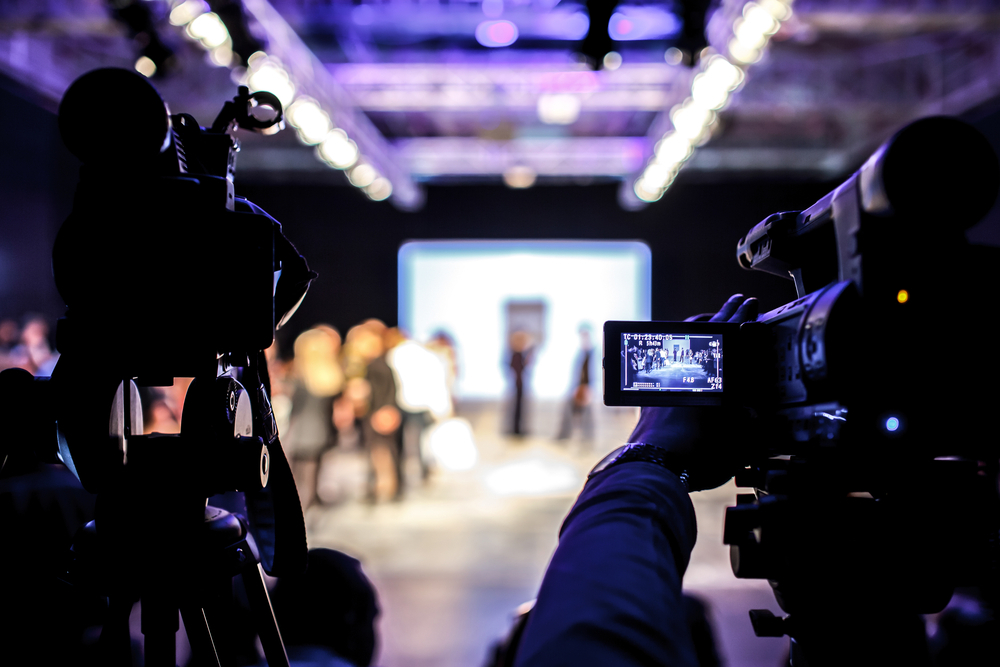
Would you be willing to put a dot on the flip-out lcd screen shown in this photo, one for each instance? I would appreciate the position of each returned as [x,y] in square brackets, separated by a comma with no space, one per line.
[671,362]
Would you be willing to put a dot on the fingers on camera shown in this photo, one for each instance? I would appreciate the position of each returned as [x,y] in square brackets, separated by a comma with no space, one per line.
[729,308]
[747,312]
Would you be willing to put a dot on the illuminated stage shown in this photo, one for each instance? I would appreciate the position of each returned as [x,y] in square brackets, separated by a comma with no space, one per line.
[454,559]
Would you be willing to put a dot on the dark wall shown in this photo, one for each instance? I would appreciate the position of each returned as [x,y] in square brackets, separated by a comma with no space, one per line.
[37,178]
[692,232]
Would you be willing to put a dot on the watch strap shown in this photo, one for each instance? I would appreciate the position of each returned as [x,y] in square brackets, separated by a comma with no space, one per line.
[644,452]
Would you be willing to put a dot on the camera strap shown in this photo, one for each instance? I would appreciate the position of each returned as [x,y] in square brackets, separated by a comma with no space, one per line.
[275,512]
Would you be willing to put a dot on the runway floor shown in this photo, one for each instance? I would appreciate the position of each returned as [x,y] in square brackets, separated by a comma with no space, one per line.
[459,553]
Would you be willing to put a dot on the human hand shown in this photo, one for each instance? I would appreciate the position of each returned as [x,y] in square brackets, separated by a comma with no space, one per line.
[705,437]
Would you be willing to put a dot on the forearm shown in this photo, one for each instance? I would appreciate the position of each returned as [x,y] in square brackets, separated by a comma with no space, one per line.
[612,593]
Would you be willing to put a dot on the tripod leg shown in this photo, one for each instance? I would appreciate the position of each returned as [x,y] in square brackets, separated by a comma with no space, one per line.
[115,643]
[267,626]
[200,636]
[160,623]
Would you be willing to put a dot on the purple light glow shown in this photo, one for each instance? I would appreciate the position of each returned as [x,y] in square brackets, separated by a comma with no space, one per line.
[569,82]
[635,22]
[495,34]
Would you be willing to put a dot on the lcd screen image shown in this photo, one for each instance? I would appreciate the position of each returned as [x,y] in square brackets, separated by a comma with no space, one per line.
[658,362]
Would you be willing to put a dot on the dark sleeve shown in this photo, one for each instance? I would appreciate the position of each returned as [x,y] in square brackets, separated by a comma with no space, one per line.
[612,592]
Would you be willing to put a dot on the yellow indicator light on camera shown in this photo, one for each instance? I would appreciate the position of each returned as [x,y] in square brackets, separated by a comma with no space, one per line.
[902,296]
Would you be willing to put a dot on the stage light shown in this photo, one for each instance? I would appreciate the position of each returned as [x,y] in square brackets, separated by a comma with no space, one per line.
[646,192]
[379,189]
[270,76]
[209,29]
[776,8]
[902,296]
[673,149]
[656,176]
[338,151]
[187,11]
[758,19]
[496,34]
[221,56]
[558,108]
[519,176]
[691,121]
[145,66]
[620,27]
[362,175]
[892,424]
[723,73]
[313,124]
[708,93]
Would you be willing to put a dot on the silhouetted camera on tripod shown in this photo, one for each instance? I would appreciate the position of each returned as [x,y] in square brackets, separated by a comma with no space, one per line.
[166,273]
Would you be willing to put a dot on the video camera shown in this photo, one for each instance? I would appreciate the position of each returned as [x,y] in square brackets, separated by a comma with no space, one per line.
[877,265]
[874,485]
[167,274]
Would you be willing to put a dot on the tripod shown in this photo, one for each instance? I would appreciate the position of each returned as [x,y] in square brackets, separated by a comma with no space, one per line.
[213,553]
[154,538]
[854,571]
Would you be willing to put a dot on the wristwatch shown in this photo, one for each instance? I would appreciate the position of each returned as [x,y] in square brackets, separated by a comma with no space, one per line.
[643,451]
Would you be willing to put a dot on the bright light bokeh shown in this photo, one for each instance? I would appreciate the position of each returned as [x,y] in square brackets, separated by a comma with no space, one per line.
[534,476]
[422,379]
[451,444]
[463,287]
[496,34]
[559,108]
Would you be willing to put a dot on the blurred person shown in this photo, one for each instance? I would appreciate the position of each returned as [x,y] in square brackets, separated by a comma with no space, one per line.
[327,614]
[318,381]
[384,422]
[33,353]
[377,417]
[520,359]
[422,394]
[443,345]
[46,621]
[578,407]
[157,414]
[279,371]
[10,334]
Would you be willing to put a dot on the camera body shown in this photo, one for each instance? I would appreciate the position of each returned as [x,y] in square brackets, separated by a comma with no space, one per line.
[869,388]
[159,260]
[877,264]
